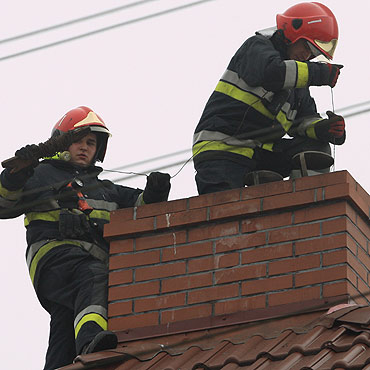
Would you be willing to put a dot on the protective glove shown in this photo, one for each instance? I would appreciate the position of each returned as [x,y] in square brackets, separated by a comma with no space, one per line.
[329,74]
[331,129]
[27,153]
[73,223]
[157,187]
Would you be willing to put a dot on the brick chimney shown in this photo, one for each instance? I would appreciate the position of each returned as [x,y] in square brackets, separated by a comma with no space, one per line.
[302,242]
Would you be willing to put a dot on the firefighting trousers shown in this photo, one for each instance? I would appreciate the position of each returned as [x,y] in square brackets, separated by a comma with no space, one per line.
[224,174]
[73,288]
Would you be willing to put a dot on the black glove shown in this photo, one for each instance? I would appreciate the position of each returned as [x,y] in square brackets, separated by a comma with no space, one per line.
[27,153]
[157,187]
[73,223]
[329,74]
[331,129]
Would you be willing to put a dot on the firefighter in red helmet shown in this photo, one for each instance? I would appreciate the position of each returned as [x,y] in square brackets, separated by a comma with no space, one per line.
[264,96]
[66,207]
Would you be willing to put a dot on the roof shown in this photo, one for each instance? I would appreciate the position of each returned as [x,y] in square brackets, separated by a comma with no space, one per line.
[339,339]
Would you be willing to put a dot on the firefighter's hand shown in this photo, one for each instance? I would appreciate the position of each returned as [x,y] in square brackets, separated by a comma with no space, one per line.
[73,223]
[28,153]
[332,129]
[330,74]
[157,187]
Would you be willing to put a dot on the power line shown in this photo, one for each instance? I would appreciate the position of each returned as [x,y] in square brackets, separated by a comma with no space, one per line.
[91,33]
[74,21]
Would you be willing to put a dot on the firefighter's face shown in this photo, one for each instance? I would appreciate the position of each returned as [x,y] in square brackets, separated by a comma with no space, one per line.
[300,51]
[83,151]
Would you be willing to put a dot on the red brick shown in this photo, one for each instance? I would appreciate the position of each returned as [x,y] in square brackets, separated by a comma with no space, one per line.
[234,209]
[240,305]
[321,244]
[335,257]
[121,246]
[321,276]
[160,271]
[364,289]
[213,263]
[185,218]
[363,226]
[212,199]
[288,200]
[121,228]
[319,212]
[310,182]
[187,251]
[357,266]
[213,231]
[267,285]
[133,321]
[294,264]
[266,222]
[213,293]
[294,233]
[356,234]
[120,277]
[264,190]
[294,295]
[335,289]
[119,308]
[337,191]
[240,242]
[267,253]
[334,226]
[156,209]
[187,313]
[364,258]
[123,214]
[133,291]
[240,273]
[132,260]
[186,282]
[160,302]
[160,240]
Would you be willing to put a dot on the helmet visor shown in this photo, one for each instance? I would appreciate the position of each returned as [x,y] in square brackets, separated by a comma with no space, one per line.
[327,47]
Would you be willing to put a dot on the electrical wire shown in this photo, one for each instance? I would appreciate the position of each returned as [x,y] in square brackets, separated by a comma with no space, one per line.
[74,21]
[100,30]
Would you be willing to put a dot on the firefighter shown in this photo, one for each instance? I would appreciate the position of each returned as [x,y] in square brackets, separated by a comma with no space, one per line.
[66,207]
[264,95]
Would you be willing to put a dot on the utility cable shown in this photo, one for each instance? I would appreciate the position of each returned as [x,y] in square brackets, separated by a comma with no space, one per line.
[74,21]
[91,33]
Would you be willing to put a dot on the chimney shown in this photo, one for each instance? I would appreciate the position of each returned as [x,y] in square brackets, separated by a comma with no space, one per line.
[300,243]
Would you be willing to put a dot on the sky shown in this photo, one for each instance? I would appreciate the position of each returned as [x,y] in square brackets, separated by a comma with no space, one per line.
[149,81]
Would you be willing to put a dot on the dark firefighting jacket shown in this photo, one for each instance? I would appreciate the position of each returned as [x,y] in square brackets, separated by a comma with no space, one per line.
[41,198]
[261,97]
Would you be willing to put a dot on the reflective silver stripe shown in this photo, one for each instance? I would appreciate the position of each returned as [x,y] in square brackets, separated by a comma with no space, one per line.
[301,129]
[289,113]
[291,71]
[102,204]
[233,78]
[100,310]
[93,249]
[206,135]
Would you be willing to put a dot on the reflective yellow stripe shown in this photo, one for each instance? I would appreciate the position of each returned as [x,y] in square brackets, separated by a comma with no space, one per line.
[41,253]
[103,215]
[91,317]
[9,194]
[310,131]
[283,120]
[302,78]
[243,96]
[268,146]
[41,216]
[217,145]
[53,216]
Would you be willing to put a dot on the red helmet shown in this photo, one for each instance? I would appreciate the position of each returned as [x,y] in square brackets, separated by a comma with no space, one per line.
[311,21]
[80,117]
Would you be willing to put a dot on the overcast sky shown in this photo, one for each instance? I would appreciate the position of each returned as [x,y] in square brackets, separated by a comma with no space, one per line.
[149,81]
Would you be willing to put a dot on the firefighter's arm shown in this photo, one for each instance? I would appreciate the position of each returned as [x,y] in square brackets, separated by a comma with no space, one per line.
[331,129]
